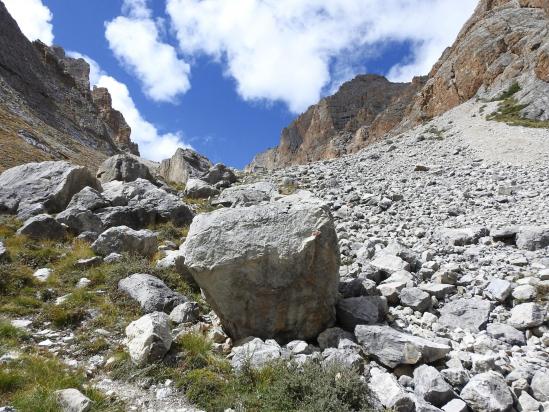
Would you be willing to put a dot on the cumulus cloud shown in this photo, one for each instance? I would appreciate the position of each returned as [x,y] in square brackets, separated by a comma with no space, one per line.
[33,18]
[292,50]
[135,40]
[153,145]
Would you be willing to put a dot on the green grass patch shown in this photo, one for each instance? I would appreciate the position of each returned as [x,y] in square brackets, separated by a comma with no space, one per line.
[29,384]
[210,383]
[511,91]
[509,111]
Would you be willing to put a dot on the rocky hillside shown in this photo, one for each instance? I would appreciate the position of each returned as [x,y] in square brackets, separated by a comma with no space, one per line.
[411,276]
[47,111]
[503,46]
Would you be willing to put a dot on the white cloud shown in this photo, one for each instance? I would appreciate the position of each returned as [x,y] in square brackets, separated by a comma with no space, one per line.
[33,18]
[287,49]
[153,145]
[135,40]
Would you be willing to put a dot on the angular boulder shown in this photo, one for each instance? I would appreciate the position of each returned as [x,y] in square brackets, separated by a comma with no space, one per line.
[255,352]
[527,315]
[540,385]
[125,168]
[139,204]
[506,333]
[80,220]
[219,173]
[269,270]
[122,239]
[533,237]
[88,198]
[469,314]
[199,189]
[431,386]
[46,186]
[389,392]
[149,338]
[43,227]
[461,236]
[184,164]
[152,294]
[363,310]
[246,195]
[393,348]
[487,392]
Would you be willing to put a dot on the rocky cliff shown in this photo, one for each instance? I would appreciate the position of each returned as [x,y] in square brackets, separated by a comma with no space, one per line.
[47,111]
[504,46]
[361,111]
[503,43]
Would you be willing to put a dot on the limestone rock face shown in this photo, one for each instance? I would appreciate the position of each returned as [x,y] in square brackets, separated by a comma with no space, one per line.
[505,41]
[48,186]
[270,270]
[363,110]
[184,164]
[47,109]
[114,119]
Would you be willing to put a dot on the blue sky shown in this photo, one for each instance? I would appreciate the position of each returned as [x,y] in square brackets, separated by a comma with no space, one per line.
[231,74]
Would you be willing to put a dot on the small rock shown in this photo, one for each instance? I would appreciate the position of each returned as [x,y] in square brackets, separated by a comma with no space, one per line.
[455,405]
[363,310]
[527,315]
[42,274]
[498,289]
[540,385]
[415,298]
[149,338]
[43,227]
[151,293]
[185,312]
[72,400]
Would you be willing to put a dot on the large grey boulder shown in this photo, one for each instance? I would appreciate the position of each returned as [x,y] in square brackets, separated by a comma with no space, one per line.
[468,314]
[88,198]
[139,204]
[527,315]
[540,385]
[122,239]
[219,173]
[487,392]
[247,195]
[124,167]
[43,227]
[80,220]
[72,400]
[184,164]
[431,386]
[269,270]
[152,294]
[149,338]
[363,310]
[393,348]
[199,189]
[533,237]
[46,187]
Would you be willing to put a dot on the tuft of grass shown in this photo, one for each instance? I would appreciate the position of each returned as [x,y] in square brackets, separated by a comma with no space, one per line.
[436,133]
[168,231]
[11,337]
[200,205]
[509,111]
[511,91]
